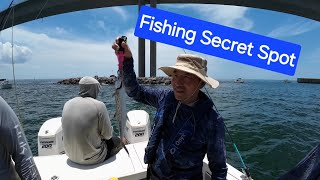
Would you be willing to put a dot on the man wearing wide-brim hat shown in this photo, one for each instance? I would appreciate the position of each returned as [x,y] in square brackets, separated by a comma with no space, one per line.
[186,127]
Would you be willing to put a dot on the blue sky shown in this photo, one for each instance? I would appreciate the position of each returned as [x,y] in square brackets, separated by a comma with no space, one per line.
[79,43]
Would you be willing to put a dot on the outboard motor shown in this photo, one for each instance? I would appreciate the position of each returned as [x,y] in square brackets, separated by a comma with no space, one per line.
[137,126]
[50,138]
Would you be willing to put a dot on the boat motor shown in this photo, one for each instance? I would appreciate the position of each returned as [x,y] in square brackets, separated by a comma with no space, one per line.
[50,138]
[137,126]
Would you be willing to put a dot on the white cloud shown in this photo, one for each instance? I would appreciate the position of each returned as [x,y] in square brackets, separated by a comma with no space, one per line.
[56,58]
[60,31]
[101,24]
[60,58]
[64,58]
[294,29]
[232,16]
[314,56]
[21,54]
[121,12]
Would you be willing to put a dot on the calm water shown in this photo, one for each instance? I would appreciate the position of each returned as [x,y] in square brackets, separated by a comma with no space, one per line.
[274,124]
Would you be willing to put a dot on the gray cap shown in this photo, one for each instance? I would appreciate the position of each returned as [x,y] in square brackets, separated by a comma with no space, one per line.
[89,87]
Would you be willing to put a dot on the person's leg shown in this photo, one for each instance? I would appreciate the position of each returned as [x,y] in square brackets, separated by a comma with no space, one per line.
[117,146]
[114,146]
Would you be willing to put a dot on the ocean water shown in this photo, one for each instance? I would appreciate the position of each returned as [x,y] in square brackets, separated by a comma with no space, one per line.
[274,124]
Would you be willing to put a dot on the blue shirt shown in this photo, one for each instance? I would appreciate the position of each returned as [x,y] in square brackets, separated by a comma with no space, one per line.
[176,148]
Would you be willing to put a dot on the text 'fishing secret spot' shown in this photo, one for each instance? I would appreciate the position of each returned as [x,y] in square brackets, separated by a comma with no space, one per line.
[217,40]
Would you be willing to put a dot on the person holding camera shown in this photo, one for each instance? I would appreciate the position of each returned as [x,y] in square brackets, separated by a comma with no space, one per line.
[16,161]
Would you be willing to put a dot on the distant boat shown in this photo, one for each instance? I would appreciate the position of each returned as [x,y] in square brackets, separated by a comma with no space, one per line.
[239,80]
[4,84]
[286,81]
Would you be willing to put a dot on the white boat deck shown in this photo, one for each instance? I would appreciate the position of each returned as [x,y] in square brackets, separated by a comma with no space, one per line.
[122,166]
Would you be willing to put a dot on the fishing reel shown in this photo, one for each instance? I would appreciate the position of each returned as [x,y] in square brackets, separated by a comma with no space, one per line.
[120,40]
[120,53]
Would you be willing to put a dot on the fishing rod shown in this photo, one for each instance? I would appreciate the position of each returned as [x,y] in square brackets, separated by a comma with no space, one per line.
[245,168]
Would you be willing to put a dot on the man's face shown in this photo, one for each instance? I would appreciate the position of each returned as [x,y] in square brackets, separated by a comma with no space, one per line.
[186,86]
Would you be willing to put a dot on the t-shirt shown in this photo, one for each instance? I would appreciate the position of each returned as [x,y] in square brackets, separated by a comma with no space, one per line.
[85,123]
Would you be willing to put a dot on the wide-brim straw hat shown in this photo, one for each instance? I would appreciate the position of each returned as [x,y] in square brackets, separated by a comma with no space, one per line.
[192,64]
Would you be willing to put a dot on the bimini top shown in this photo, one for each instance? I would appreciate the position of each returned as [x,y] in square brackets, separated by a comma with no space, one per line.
[29,10]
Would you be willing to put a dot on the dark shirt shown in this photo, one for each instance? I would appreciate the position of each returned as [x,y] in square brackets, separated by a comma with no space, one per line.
[176,148]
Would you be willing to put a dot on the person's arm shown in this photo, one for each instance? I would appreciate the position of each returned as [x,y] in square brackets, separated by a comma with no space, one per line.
[13,138]
[216,150]
[105,126]
[146,95]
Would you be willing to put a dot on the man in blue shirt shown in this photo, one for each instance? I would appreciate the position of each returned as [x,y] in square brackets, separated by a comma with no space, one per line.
[186,127]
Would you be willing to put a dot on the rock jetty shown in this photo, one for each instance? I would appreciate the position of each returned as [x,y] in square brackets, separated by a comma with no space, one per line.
[112,78]
[308,80]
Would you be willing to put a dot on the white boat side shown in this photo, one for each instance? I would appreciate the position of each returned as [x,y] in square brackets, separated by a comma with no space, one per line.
[53,164]
[4,84]
[239,80]
[121,166]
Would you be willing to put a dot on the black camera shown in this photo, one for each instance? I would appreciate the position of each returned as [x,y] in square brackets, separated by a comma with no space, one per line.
[120,40]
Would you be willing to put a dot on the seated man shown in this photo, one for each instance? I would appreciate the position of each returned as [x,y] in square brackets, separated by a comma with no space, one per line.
[86,126]
[16,161]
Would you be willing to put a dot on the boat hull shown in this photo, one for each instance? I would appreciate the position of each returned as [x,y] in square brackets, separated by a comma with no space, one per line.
[6,86]
[121,166]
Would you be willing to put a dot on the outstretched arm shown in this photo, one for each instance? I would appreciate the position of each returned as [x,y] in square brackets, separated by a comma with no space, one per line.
[146,95]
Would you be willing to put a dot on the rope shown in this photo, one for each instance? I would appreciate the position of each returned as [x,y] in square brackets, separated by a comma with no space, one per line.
[13,70]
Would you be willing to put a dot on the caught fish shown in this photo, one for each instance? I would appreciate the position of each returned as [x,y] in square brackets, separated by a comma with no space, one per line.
[121,111]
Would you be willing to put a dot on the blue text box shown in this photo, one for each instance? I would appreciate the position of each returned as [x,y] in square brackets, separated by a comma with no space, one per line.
[217,40]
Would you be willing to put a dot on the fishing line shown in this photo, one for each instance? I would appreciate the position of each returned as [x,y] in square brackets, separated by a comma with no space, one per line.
[13,70]
[41,9]
[246,169]
[3,22]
